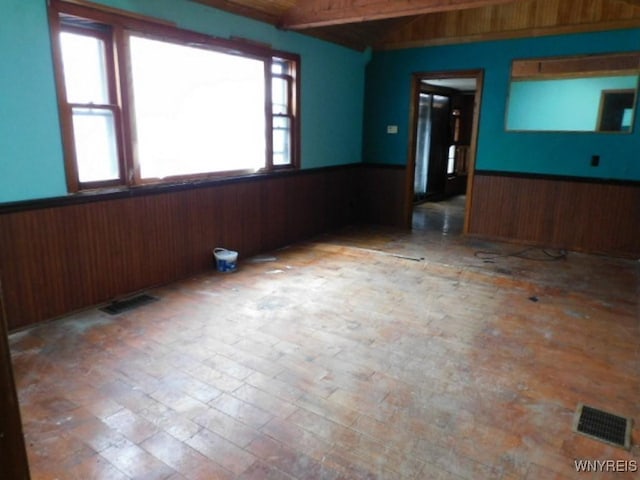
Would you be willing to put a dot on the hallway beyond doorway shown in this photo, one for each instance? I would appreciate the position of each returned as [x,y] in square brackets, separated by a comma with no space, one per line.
[445,216]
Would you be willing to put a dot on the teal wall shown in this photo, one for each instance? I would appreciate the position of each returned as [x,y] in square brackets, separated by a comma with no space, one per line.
[568,104]
[31,159]
[388,92]
[31,162]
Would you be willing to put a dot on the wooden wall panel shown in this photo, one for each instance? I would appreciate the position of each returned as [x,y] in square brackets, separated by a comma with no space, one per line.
[382,198]
[511,20]
[572,214]
[58,259]
[55,259]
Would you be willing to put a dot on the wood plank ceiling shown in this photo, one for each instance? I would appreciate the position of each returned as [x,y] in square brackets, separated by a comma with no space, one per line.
[392,24]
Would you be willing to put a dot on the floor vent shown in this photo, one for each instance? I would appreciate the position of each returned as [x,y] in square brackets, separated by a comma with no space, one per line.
[120,306]
[606,427]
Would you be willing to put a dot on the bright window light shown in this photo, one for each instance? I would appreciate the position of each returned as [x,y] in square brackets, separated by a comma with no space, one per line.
[84,68]
[95,142]
[196,110]
[87,90]
[147,103]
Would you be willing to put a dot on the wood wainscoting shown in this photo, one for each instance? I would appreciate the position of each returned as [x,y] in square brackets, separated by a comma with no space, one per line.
[586,215]
[383,195]
[61,255]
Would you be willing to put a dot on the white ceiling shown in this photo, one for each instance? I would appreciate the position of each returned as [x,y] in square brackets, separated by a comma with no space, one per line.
[463,84]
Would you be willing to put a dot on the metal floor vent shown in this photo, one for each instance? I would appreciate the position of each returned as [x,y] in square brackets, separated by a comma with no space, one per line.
[606,427]
[120,306]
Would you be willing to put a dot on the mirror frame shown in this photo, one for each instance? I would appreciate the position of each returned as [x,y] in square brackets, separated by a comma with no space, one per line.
[575,67]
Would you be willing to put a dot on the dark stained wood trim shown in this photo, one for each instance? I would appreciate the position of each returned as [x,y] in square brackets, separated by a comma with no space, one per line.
[158,28]
[388,166]
[268,114]
[473,147]
[559,178]
[13,454]
[106,194]
[66,125]
[129,167]
[295,107]
[118,11]
[296,136]
[150,26]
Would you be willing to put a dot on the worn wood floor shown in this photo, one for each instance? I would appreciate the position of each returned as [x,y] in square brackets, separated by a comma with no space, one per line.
[367,353]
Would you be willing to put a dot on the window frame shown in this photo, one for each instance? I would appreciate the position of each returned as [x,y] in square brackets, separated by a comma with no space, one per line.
[292,104]
[115,27]
[113,106]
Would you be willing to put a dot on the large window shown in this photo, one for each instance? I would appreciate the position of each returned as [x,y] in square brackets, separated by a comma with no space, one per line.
[147,103]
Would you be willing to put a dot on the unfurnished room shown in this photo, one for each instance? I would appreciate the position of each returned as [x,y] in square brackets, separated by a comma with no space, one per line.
[323,239]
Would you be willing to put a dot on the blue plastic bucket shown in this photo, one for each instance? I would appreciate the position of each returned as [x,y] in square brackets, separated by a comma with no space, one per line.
[226,260]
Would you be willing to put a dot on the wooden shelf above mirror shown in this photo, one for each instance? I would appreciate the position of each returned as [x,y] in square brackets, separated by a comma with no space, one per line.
[582,66]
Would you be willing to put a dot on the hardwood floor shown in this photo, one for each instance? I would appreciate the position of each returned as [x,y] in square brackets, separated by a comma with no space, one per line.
[368,353]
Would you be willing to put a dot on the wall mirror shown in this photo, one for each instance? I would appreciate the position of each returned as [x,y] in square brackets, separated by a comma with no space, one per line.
[595,93]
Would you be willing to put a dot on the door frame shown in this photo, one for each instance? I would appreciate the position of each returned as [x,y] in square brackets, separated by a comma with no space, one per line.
[14,463]
[417,79]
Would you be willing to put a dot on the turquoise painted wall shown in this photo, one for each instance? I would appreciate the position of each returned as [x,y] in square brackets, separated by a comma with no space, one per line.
[568,104]
[31,159]
[387,102]
[31,162]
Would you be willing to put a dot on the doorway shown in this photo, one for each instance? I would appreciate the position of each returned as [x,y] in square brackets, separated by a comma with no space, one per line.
[432,137]
[445,113]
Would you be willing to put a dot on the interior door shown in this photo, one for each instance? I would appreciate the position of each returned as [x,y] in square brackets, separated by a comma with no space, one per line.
[423,139]
[439,144]
[433,137]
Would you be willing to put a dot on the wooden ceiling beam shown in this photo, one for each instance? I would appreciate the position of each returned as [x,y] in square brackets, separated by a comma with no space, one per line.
[319,13]
[238,9]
